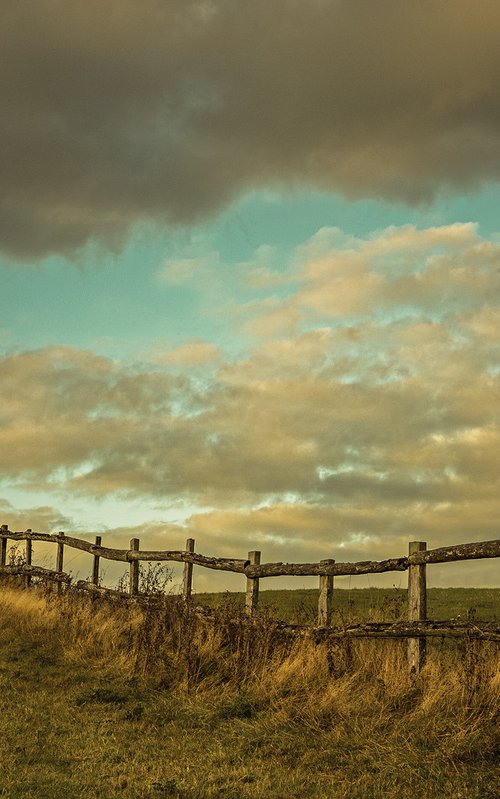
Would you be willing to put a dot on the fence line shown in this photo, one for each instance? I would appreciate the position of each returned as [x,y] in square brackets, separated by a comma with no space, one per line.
[476,550]
[416,629]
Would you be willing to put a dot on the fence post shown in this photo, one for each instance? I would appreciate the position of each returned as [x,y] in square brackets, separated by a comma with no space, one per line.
[252,594]
[29,557]
[187,583]
[325,598]
[95,566]
[134,569]
[60,560]
[3,548]
[417,609]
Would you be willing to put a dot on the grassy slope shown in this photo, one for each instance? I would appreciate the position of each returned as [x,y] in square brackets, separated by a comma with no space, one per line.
[88,710]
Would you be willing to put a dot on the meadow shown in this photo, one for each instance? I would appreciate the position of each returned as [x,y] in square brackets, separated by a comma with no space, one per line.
[100,699]
[368,604]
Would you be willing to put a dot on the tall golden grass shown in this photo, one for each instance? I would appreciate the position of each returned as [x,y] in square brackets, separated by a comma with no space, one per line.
[348,709]
[169,643]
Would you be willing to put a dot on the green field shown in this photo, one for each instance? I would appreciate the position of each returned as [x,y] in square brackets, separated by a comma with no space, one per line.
[104,701]
[370,604]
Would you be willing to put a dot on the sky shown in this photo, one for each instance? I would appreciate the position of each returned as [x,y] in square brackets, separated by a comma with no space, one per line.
[250,277]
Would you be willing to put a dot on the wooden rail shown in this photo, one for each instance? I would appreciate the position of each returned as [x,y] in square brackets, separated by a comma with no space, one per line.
[417,629]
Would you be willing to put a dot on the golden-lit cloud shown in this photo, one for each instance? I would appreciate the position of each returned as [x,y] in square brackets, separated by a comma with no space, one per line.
[436,271]
[270,318]
[191,353]
[118,113]
[374,418]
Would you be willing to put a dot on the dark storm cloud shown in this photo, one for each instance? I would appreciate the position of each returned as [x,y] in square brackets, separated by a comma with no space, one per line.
[112,113]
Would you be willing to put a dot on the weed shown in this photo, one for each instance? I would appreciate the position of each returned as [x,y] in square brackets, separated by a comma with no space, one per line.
[16,556]
[153,579]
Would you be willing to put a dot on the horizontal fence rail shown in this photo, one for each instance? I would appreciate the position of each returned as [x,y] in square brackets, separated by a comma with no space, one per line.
[35,571]
[416,629]
[459,552]
[449,628]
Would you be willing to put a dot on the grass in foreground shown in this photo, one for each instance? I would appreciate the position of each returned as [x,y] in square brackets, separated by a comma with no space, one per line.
[105,701]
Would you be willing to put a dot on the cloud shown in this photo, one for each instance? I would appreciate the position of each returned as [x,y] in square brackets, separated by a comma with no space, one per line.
[311,532]
[271,318]
[368,423]
[191,353]
[435,271]
[127,112]
[282,531]
[41,519]
[61,408]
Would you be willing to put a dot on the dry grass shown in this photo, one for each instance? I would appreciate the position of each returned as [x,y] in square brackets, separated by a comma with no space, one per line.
[99,700]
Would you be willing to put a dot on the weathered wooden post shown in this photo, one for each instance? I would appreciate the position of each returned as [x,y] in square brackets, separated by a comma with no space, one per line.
[134,569]
[28,558]
[60,560]
[187,582]
[3,548]
[252,594]
[95,565]
[325,598]
[417,608]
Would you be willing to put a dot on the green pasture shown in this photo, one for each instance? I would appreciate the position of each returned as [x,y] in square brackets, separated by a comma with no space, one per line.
[369,604]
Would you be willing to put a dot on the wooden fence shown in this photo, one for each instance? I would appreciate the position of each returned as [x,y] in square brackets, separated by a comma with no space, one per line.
[416,629]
